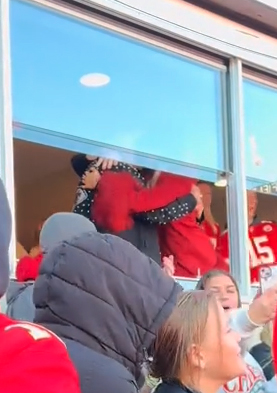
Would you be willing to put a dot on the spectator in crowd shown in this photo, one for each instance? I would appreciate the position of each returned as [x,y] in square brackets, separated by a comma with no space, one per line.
[32,359]
[119,197]
[106,300]
[207,221]
[20,304]
[262,240]
[261,311]
[160,209]
[20,292]
[195,351]
[262,352]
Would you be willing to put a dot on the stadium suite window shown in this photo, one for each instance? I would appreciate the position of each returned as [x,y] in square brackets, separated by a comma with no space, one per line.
[260,101]
[95,84]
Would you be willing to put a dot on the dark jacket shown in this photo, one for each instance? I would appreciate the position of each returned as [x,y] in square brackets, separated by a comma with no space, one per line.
[106,300]
[20,304]
[143,235]
[263,355]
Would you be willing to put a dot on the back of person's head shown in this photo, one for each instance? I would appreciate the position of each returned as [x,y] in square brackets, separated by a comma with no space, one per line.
[223,285]
[195,346]
[62,227]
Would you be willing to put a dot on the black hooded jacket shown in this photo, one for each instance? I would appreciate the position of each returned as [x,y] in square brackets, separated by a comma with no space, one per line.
[106,300]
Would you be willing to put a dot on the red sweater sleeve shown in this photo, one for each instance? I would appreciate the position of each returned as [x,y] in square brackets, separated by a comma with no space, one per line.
[119,196]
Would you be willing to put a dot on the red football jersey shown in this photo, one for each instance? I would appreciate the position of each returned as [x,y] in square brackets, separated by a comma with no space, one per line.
[262,247]
[213,232]
[33,359]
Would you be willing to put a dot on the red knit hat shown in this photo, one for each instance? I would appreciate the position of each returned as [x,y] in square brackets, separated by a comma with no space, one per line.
[28,268]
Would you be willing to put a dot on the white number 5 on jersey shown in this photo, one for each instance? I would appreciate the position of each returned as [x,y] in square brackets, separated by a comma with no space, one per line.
[265,253]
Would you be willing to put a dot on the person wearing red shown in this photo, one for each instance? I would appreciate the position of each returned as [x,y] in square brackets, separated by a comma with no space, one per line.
[32,359]
[262,244]
[207,221]
[119,197]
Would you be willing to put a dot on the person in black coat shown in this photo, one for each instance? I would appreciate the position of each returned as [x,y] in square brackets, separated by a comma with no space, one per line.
[106,300]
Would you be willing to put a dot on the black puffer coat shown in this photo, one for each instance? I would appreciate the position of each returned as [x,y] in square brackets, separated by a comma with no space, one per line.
[106,300]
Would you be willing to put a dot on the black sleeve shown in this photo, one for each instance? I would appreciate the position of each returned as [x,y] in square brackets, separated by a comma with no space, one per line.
[172,212]
[262,354]
[83,202]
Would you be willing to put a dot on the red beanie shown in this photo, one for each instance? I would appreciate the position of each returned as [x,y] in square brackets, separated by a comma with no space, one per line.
[28,268]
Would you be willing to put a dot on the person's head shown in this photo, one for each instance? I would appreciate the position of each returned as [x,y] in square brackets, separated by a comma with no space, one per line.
[195,345]
[63,227]
[252,203]
[224,286]
[206,191]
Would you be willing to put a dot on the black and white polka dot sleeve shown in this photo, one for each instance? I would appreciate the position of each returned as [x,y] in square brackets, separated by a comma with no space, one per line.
[84,200]
[172,212]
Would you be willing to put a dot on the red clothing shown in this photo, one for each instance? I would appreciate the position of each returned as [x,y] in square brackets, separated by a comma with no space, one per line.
[27,268]
[119,196]
[34,360]
[213,232]
[262,247]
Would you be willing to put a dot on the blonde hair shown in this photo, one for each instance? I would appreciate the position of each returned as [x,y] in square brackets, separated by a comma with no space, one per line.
[267,334]
[185,327]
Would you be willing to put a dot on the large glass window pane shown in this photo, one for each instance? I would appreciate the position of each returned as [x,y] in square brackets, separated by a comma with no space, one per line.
[168,221]
[261,138]
[260,132]
[73,78]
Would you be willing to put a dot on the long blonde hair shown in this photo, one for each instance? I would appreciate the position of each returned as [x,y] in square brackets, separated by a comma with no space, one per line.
[185,327]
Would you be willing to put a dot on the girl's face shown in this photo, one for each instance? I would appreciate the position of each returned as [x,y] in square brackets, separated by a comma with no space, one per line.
[220,350]
[206,192]
[225,291]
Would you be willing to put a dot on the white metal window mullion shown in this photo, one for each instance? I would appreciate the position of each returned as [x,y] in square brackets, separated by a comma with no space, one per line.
[236,191]
[6,134]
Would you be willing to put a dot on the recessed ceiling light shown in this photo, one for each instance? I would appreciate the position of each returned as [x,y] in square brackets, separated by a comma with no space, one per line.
[95,80]
[221,183]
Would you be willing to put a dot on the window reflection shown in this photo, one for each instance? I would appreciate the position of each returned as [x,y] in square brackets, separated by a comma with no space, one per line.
[73,78]
[260,132]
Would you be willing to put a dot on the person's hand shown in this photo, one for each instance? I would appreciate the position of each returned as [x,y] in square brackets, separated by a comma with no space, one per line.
[263,308]
[90,179]
[168,266]
[195,191]
[106,163]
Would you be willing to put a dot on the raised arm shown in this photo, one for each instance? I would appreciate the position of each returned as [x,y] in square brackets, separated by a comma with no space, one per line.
[172,212]
[119,197]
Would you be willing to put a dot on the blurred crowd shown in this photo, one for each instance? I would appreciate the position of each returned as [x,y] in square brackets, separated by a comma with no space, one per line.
[96,307]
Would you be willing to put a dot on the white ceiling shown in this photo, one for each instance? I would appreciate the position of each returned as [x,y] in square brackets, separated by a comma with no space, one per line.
[33,161]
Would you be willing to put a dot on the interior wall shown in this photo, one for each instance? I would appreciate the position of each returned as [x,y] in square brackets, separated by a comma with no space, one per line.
[38,200]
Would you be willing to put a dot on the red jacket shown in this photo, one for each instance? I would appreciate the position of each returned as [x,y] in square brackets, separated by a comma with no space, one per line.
[34,360]
[119,196]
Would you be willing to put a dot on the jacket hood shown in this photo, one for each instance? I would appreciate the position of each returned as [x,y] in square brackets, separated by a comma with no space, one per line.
[102,292]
